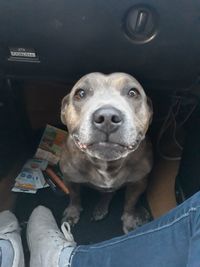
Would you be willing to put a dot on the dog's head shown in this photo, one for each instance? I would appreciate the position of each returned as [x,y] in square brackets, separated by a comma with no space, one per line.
[107,115]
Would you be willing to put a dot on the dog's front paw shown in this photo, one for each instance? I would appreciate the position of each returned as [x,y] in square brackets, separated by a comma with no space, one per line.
[71,215]
[133,220]
[130,222]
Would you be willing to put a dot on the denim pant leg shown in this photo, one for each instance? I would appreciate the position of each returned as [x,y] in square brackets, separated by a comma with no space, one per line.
[171,241]
[194,248]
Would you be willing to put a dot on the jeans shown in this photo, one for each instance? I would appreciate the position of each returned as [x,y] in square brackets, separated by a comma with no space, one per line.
[170,241]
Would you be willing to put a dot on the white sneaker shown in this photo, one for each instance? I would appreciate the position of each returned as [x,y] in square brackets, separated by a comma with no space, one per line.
[9,230]
[45,240]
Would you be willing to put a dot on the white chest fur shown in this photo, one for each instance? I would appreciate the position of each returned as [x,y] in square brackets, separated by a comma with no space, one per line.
[107,180]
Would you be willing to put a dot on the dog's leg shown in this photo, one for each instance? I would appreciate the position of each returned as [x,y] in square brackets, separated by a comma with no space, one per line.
[72,212]
[102,206]
[130,218]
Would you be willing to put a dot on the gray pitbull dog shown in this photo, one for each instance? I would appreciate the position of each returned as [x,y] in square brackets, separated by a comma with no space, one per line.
[107,117]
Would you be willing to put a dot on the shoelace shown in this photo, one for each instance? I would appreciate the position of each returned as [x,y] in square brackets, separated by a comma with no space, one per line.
[66,229]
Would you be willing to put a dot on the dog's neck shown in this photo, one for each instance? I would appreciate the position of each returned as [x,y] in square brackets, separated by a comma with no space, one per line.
[107,166]
[103,166]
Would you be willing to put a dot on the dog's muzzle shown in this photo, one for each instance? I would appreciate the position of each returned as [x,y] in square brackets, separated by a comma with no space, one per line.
[107,140]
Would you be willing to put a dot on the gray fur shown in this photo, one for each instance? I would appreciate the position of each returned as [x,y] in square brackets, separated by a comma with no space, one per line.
[106,161]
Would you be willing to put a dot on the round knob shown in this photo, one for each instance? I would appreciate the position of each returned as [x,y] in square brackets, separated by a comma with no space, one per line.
[141,24]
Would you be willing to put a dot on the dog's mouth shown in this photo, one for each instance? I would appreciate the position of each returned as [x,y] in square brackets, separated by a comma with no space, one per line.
[110,145]
[106,145]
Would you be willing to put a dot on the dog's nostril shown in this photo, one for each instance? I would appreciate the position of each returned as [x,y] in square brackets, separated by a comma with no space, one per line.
[99,119]
[115,119]
[107,119]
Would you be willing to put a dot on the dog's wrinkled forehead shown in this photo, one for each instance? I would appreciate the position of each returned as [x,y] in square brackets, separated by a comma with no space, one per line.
[115,81]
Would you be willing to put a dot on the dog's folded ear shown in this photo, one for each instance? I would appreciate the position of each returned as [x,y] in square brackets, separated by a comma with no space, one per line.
[150,105]
[64,105]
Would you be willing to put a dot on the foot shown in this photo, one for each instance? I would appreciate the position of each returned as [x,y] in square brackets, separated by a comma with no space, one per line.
[10,240]
[45,240]
[131,221]
[71,214]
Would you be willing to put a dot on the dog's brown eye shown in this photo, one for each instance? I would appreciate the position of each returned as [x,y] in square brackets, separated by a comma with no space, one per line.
[133,92]
[79,94]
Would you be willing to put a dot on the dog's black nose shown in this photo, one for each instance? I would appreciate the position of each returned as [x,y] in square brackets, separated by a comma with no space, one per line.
[107,119]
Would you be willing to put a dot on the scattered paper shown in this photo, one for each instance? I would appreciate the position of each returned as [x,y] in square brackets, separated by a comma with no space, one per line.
[31,178]
[51,143]
[34,163]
